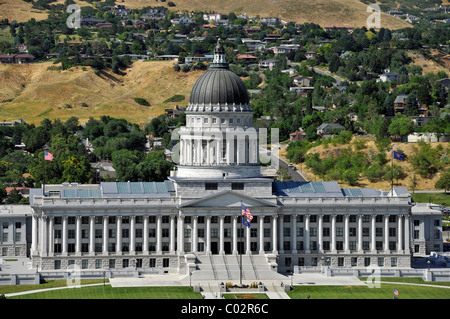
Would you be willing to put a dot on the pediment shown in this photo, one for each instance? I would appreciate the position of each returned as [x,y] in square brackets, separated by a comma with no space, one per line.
[228,199]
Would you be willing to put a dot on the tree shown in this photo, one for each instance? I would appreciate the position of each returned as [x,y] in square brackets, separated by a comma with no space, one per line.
[401,126]
[411,105]
[444,181]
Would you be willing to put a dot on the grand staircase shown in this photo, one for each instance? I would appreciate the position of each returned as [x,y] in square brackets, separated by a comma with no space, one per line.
[226,268]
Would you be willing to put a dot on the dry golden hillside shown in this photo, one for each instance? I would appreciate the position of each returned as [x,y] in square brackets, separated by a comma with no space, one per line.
[39,93]
[405,148]
[352,13]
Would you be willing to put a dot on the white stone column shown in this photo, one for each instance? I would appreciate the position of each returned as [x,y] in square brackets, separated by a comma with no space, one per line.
[34,234]
[346,234]
[400,234]
[180,247]
[307,235]
[229,150]
[172,235]
[274,235]
[145,236]
[51,236]
[360,233]
[195,235]
[294,234]
[208,153]
[119,235]
[91,235]
[132,235]
[333,233]
[218,150]
[373,247]
[105,234]
[64,236]
[44,235]
[281,234]
[261,235]
[78,236]
[182,152]
[386,233]
[208,235]
[221,233]
[158,235]
[320,233]
[407,235]
[235,240]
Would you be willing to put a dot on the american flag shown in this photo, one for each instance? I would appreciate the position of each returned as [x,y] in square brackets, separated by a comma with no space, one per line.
[246,213]
[395,292]
[48,156]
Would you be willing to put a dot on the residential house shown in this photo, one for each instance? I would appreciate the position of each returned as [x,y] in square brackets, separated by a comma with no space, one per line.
[400,105]
[175,112]
[389,77]
[268,63]
[302,80]
[246,58]
[340,28]
[298,135]
[198,57]
[212,17]
[120,11]
[22,48]
[182,20]
[104,25]
[251,29]
[285,48]
[16,58]
[310,55]
[271,21]
[303,90]
[272,37]
[329,128]
[90,21]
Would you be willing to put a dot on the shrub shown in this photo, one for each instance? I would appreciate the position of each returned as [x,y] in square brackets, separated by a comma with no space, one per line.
[175,98]
[141,101]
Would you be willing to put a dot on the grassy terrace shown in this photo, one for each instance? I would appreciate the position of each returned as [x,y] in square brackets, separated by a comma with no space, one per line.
[409,288]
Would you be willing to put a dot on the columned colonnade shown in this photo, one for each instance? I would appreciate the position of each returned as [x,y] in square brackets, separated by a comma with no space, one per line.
[91,235]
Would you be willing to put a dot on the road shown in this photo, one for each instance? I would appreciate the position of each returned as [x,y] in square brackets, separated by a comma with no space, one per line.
[295,174]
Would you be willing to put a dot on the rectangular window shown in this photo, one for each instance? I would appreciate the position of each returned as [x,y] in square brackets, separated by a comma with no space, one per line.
[237,186]
[211,186]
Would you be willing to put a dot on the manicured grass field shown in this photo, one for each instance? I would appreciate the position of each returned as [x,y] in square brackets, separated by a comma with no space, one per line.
[107,292]
[363,292]
[436,198]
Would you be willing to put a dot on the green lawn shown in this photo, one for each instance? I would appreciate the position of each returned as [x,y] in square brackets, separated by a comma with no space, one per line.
[107,292]
[436,198]
[363,292]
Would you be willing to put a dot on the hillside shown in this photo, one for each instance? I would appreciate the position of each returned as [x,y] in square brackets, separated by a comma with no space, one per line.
[37,92]
[323,12]
[405,148]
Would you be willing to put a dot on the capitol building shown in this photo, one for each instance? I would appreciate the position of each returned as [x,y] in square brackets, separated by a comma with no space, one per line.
[193,219]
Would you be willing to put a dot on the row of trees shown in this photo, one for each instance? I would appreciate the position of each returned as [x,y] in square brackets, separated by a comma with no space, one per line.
[113,139]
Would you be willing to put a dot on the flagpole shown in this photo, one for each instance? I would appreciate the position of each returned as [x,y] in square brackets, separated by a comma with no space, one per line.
[45,148]
[241,248]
